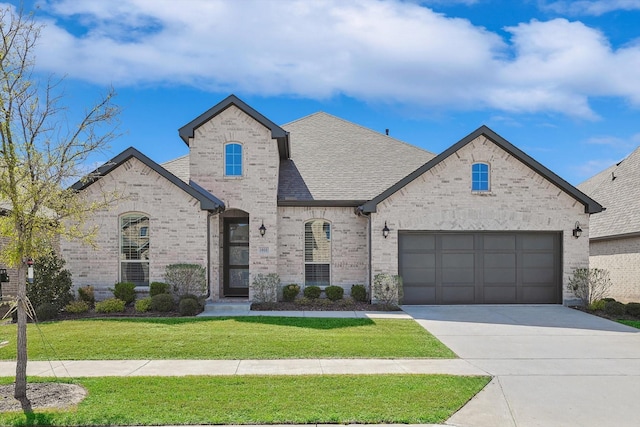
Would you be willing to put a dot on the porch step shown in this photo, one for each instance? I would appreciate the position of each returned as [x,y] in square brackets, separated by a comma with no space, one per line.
[220,308]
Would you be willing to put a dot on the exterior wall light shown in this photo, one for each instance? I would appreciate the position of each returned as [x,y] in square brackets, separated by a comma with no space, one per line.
[577,231]
[385,230]
[262,229]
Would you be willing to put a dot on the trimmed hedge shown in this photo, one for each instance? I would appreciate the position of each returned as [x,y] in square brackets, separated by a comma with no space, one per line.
[162,303]
[312,292]
[359,293]
[334,293]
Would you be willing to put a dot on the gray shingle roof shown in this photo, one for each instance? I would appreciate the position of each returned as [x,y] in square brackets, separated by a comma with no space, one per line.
[179,167]
[620,197]
[336,160]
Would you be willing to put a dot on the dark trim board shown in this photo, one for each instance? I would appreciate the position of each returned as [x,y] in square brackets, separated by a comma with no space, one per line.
[480,267]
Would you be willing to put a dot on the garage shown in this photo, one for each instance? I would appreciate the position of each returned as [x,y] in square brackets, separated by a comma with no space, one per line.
[480,267]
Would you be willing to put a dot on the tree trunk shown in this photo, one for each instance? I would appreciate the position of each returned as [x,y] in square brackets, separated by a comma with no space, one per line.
[20,391]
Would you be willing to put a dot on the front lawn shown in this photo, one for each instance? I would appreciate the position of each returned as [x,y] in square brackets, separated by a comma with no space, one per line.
[226,338]
[327,399]
[634,323]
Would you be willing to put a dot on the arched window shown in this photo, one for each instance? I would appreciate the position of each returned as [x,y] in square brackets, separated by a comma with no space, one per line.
[480,177]
[317,253]
[233,159]
[134,248]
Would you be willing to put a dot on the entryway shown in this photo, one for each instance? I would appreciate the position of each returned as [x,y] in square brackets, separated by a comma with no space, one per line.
[236,257]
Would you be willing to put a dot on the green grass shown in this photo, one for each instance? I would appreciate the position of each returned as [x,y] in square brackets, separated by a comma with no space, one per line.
[634,323]
[227,338]
[328,399]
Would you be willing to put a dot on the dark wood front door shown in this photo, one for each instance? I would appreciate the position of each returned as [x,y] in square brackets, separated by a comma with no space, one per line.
[236,257]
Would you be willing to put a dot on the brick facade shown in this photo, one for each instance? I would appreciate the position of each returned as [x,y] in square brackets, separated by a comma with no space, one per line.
[621,257]
[442,200]
[177,228]
[349,244]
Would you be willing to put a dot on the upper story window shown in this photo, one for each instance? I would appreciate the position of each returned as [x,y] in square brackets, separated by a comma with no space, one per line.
[233,159]
[317,253]
[134,248]
[480,177]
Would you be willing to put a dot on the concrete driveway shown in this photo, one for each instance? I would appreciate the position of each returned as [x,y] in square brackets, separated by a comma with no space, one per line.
[553,366]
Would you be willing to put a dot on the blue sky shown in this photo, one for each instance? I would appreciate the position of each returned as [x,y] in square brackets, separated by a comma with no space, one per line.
[559,79]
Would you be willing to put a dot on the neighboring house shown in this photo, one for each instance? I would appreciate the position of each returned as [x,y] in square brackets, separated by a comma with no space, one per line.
[480,223]
[615,233]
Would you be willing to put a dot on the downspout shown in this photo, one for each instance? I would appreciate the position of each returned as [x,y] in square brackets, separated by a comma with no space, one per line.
[209,215]
[359,212]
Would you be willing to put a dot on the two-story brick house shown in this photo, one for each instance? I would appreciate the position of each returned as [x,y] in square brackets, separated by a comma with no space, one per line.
[325,201]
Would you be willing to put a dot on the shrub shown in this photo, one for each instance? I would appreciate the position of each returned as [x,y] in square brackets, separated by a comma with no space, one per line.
[614,308]
[46,311]
[189,307]
[359,293]
[597,305]
[51,282]
[387,289]
[608,299]
[199,300]
[312,292]
[77,307]
[87,295]
[157,288]
[265,287]
[125,291]
[633,309]
[162,303]
[290,292]
[111,305]
[143,305]
[186,279]
[334,293]
[589,284]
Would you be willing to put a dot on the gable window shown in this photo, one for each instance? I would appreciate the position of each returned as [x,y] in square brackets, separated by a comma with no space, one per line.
[134,249]
[317,253]
[233,159]
[480,177]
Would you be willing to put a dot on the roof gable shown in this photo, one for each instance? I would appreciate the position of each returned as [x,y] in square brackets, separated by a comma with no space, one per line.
[207,200]
[617,188]
[591,206]
[277,133]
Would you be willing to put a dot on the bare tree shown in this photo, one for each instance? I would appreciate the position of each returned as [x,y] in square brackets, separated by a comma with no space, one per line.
[590,284]
[40,154]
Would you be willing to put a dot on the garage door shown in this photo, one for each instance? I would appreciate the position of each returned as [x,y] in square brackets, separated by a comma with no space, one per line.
[480,268]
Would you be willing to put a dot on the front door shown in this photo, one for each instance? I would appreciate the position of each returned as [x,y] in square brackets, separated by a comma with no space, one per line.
[236,257]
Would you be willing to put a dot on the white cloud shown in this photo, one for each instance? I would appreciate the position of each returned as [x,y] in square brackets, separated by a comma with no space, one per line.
[592,7]
[375,50]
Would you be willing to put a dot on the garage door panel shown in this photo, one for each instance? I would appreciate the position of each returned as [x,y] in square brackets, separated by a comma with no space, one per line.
[500,242]
[420,242]
[458,295]
[500,275]
[457,242]
[416,294]
[535,275]
[480,267]
[538,294]
[453,276]
[458,260]
[499,295]
[421,260]
[538,242]
[499,260]
[419,275]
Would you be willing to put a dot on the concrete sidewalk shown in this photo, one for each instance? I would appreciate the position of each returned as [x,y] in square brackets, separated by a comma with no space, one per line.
[125,368]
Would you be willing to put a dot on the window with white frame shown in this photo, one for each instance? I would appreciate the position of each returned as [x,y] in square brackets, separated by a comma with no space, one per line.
[317,253]
[233,159]
[480,177]
[134,248]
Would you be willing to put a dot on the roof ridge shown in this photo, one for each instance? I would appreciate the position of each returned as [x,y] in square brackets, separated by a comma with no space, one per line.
[317,113]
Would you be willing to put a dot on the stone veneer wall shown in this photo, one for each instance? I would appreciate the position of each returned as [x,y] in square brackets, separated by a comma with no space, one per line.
[177,228]
[349,243]
[519,200]
[622,258]
[255,192]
